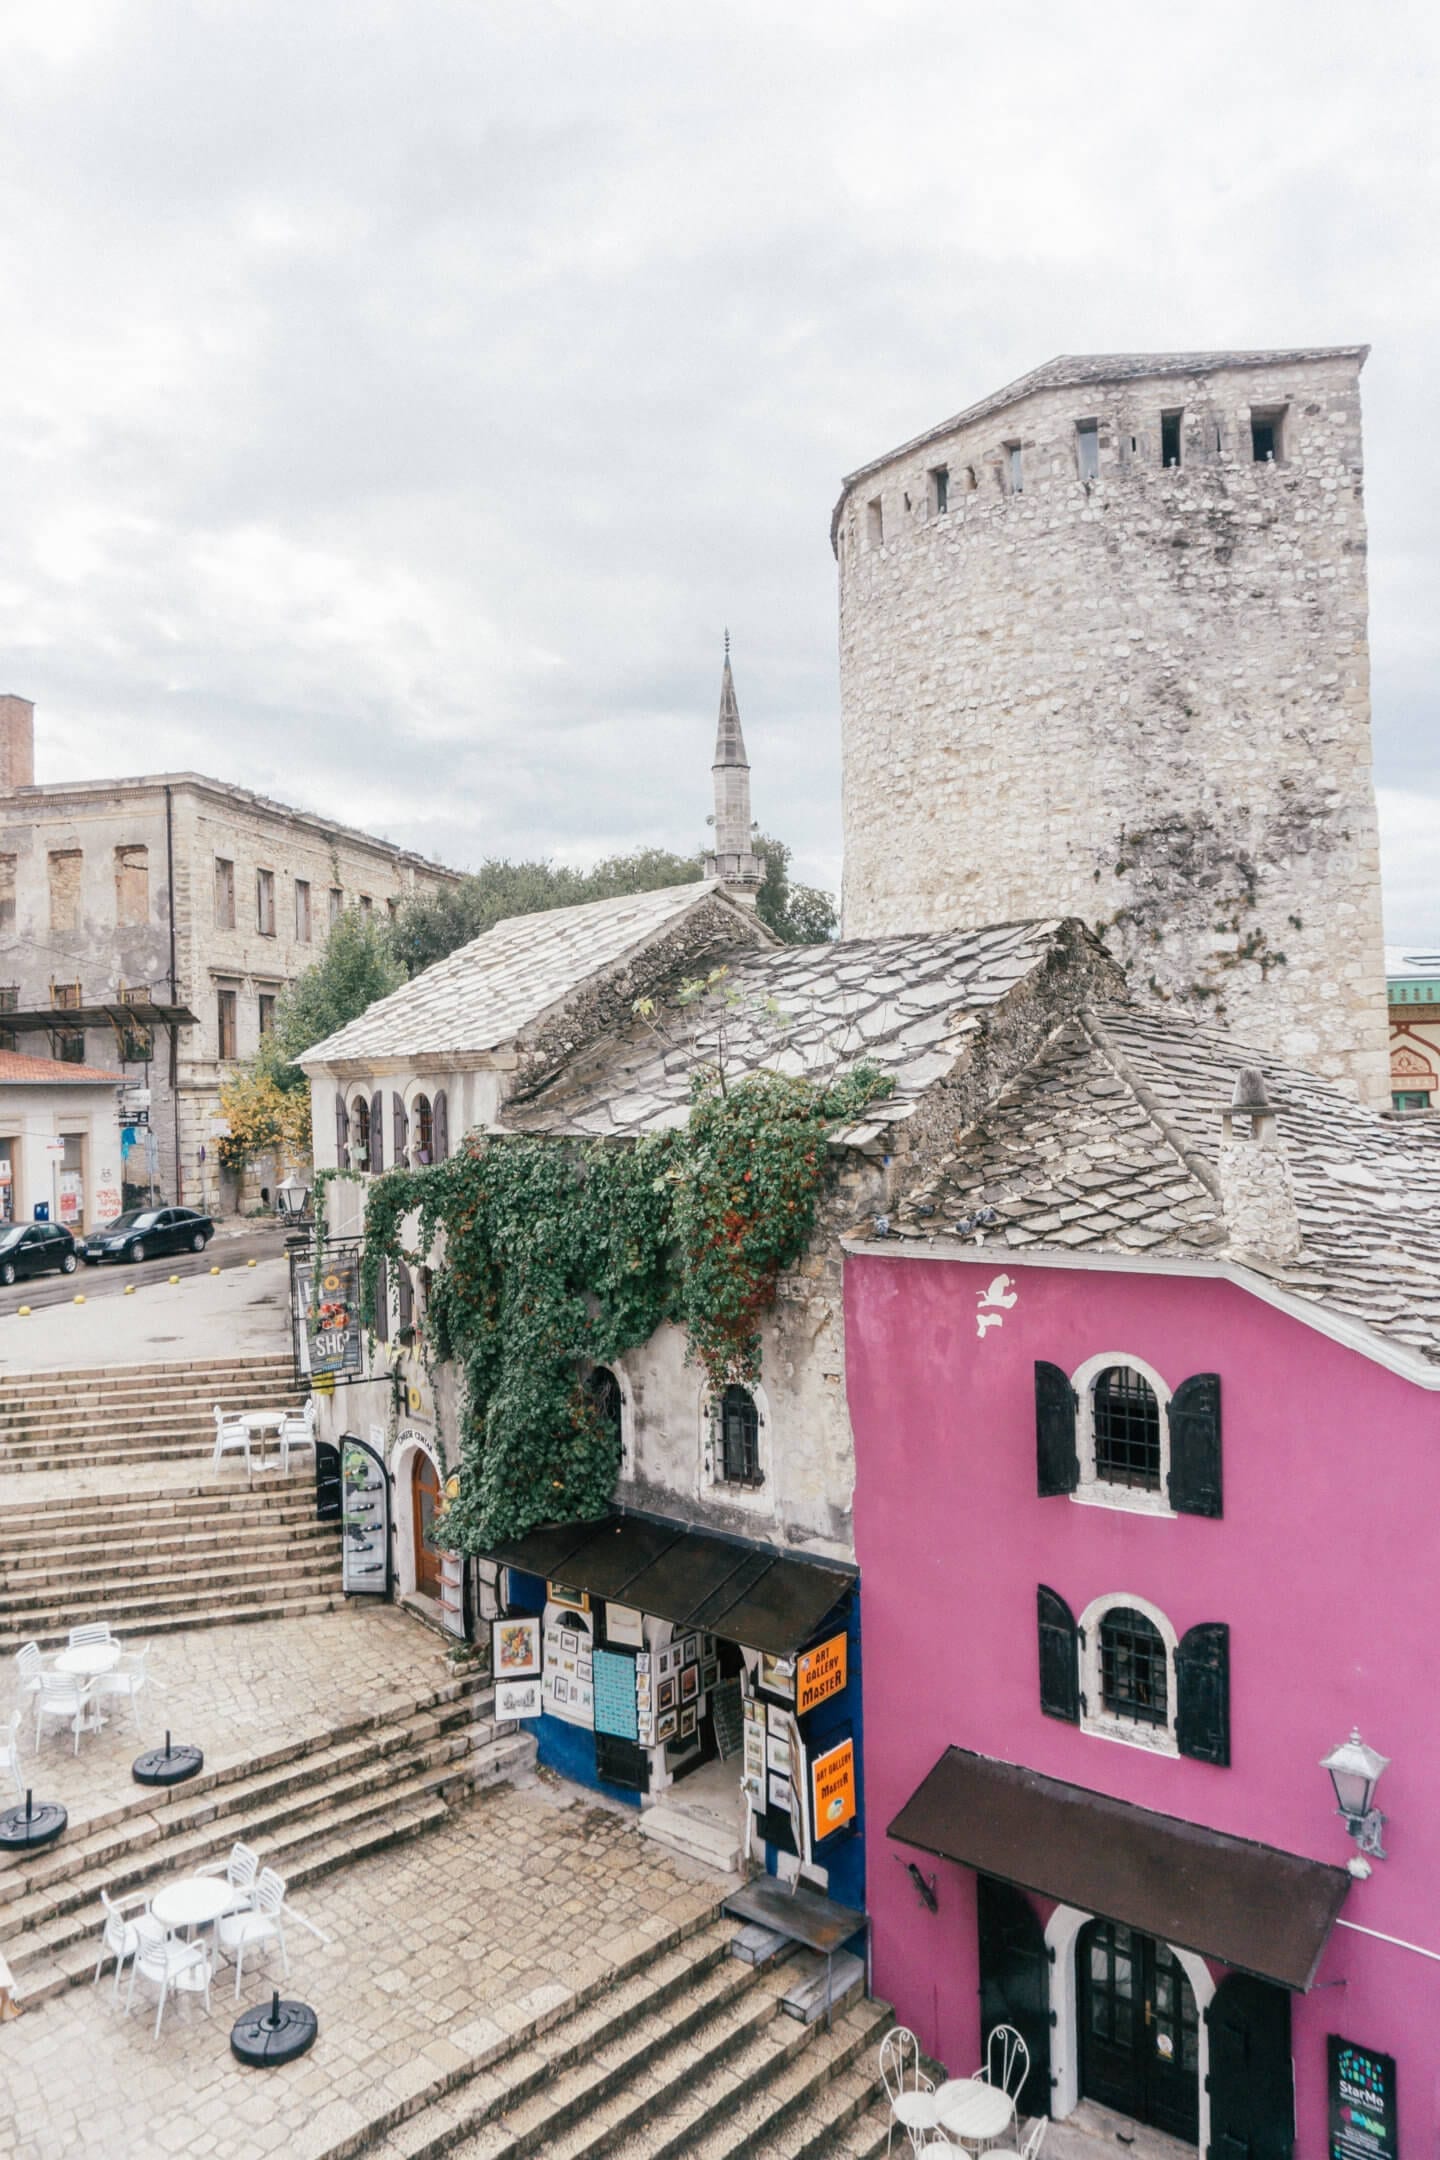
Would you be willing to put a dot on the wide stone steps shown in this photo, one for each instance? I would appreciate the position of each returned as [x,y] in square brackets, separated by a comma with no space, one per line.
[43,1565]
[125,1404]
[224,1596]
[288,1603]
[319,1807]
[107,1387]
[132,1413]
[76,1515]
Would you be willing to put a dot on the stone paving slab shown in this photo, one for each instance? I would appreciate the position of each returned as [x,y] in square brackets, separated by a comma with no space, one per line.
[241,1310]
[491,1921]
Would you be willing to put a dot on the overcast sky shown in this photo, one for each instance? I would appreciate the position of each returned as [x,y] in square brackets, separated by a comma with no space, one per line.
[396,401]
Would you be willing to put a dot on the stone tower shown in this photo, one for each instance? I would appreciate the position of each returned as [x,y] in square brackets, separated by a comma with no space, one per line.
[733,860]
[1103,652]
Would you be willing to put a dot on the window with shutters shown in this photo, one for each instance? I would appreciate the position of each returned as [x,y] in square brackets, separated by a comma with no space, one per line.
[265,902]
[422,1133]
[226,1003]
[224,893]
[1113,1434]
[1127,1672]
[736,1434]
[359,1142]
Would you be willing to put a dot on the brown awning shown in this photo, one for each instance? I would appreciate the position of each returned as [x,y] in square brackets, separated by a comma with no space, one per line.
[748,1593]
[1267,1911]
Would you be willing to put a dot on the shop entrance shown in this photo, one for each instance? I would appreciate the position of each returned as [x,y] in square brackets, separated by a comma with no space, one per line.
[424,1504]
[1139,2031]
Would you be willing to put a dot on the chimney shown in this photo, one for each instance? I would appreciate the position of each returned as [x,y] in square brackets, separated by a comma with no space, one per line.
[1255,1189]
[17,742]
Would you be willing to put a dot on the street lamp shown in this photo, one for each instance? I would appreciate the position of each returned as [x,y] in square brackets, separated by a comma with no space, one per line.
[293,1196]
[1355,1772]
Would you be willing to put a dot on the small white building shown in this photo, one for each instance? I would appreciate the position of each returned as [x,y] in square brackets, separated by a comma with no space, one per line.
[59,1142]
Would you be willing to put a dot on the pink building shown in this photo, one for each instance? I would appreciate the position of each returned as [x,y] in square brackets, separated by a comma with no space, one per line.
[1148,1479]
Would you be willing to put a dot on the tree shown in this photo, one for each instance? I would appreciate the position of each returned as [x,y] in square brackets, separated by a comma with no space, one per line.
[356,967]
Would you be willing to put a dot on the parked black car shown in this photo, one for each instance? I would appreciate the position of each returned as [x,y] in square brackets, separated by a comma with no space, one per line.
[146,1233]
[36,1248]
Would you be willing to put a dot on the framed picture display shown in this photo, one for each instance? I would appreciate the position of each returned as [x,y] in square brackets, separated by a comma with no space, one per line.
[560,1688]
[570,1665]
[562,1594]
[552,1640]
[625,1626]
[709,1674]
[777,1720]
[755,1712]
[777,1755]
[689,1683]
[707,1646]
[666,1661]
[518,1698]
[665,1694]
[666,1726]
[642,1663]
[779,1792]
[687,1723]
[686,1649]
[777,1675]
[515,1647]
[583,1664]
[753,1778]
[642,1687]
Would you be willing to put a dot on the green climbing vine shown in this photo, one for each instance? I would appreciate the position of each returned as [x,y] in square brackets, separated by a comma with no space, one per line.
[547,1257]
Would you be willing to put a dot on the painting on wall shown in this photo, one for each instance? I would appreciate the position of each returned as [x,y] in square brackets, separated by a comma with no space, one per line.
[689,1683]
[666,1726]
[665,1699]
[515,1648]
[687,1724]
[777,1675]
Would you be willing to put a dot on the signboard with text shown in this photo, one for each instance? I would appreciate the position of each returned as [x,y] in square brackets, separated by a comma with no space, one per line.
[325,1312]
[819,1674]
[832,1790]
[1363,2121]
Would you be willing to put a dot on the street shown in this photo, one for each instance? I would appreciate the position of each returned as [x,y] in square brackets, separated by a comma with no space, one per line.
[227,1249]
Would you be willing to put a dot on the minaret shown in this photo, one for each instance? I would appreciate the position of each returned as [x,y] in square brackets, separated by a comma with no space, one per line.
[733,860]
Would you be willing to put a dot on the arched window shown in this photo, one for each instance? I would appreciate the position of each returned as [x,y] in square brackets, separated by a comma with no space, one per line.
[359,1134]
[1134,1668]
[739,1420]
[1125,1419]
[606,1401]
[422,1133]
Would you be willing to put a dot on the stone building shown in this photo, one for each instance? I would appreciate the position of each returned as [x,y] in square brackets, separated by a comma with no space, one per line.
[176,890]
[1103,653]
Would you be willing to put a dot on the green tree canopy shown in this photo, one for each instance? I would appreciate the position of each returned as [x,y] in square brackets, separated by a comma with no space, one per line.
[357,967]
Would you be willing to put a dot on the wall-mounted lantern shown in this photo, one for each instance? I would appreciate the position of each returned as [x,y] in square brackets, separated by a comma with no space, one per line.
[1355,1772]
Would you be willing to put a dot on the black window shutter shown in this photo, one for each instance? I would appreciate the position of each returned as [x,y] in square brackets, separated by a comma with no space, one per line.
[382,1301]
[1057,1464]
[439,1127]
[405,1295]
[1195,1487]
[1059,1657]
[397,1105]
[377,1131]
[1202,1689]
[342,1132]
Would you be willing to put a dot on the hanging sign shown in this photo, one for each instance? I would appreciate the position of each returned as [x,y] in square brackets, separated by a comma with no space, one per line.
[819,1674]
[1363,2121]
[832,1790]
[326,1310]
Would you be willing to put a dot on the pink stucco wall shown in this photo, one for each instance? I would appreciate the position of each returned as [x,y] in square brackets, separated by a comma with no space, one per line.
[1324,1566]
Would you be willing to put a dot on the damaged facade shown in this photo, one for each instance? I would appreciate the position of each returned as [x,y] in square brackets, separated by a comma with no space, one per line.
[1103,652]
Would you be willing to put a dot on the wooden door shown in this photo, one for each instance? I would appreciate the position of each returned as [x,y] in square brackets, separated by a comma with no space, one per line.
[1139,2032]
[424,1501]
[1252,2092]
[1015,1982]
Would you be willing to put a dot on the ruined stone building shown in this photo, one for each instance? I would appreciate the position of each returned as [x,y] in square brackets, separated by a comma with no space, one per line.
[175,890]
[1103,653]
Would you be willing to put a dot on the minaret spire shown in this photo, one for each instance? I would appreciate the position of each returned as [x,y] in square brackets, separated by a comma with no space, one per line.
[733,861]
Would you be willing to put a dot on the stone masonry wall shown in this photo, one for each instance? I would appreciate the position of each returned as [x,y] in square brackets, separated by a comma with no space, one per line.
[1141,698]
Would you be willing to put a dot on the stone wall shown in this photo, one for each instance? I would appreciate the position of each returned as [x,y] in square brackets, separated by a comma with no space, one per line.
[1140,697]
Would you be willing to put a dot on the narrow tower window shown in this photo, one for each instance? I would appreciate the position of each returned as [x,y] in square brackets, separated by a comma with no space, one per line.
[1170,437]
[1087,449]
[1267,434]
[939,490]
[1014,470]
[875,522]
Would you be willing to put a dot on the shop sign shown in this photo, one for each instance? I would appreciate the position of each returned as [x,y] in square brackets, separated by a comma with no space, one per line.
[327,1312]
[819,1674]
[1363,2123]
[832,1788]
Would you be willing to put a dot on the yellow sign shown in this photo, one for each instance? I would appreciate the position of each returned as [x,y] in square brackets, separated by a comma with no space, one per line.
[819,1674]
[832,1786]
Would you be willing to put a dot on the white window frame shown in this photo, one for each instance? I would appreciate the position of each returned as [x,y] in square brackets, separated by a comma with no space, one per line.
[1091,1489]
[712,1476]
[1094,1718]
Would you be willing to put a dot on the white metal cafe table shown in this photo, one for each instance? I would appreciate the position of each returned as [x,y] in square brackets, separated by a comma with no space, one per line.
[193,1902]
[88,1659]
[260,1423]
[973,2110]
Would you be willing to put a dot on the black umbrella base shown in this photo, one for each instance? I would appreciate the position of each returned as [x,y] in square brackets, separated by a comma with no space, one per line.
[273,2033]
[22,1831]
[167,1766]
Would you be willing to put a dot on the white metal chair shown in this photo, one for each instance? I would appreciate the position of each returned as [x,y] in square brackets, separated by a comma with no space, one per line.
[1007,2061]
[1031,2147]
[237,1932]
[128,1678]
[120,1937]
[907,2088]
[240,1871]
[32,1667]
[65,1700]
[93,1631]
[297,1432]
[162,1959]
[232,1437]
[10,1753]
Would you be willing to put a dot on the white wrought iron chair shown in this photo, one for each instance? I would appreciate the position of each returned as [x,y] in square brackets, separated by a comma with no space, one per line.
[297,1432]
[1006,2064]
[91,1631]
[120,1936]
[164,1961]
[237,1932]
[907,2088]
[10,1753]
[129,1678]
[232,1437]
[65,1700]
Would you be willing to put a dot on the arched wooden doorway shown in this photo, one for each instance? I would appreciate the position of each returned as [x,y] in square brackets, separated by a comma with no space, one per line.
[424,1504]
[1139,2029]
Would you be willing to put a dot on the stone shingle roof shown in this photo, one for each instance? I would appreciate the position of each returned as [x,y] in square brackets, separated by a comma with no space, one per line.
[910,1005]
[485,995]
[1108,1142]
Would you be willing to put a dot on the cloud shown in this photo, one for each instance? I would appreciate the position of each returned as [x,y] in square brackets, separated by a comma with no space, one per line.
[401,399]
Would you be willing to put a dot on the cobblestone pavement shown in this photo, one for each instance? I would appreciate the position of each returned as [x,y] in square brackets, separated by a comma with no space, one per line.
[437,1949]
[235,1692]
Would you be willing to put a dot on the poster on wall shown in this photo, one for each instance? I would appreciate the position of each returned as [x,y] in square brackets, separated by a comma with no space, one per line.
[623,1624]
[616,1708]
[515,1647]
[832,1790]
[1363,2120]
[518,1698]
[819,1674]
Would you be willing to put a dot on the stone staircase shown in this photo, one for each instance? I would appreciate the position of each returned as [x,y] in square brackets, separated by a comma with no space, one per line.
[684,2054]
[307,1807]
[131,1413]
[180,1556]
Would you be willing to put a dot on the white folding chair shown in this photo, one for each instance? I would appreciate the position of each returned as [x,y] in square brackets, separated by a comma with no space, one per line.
[120,1937]
[237,1932]
[93,1631]
[240,1871]
[909,2091]
[232,1437]
[10,1753]
[297,1432]
[128,1678]
[65,1700]
[162,1959]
